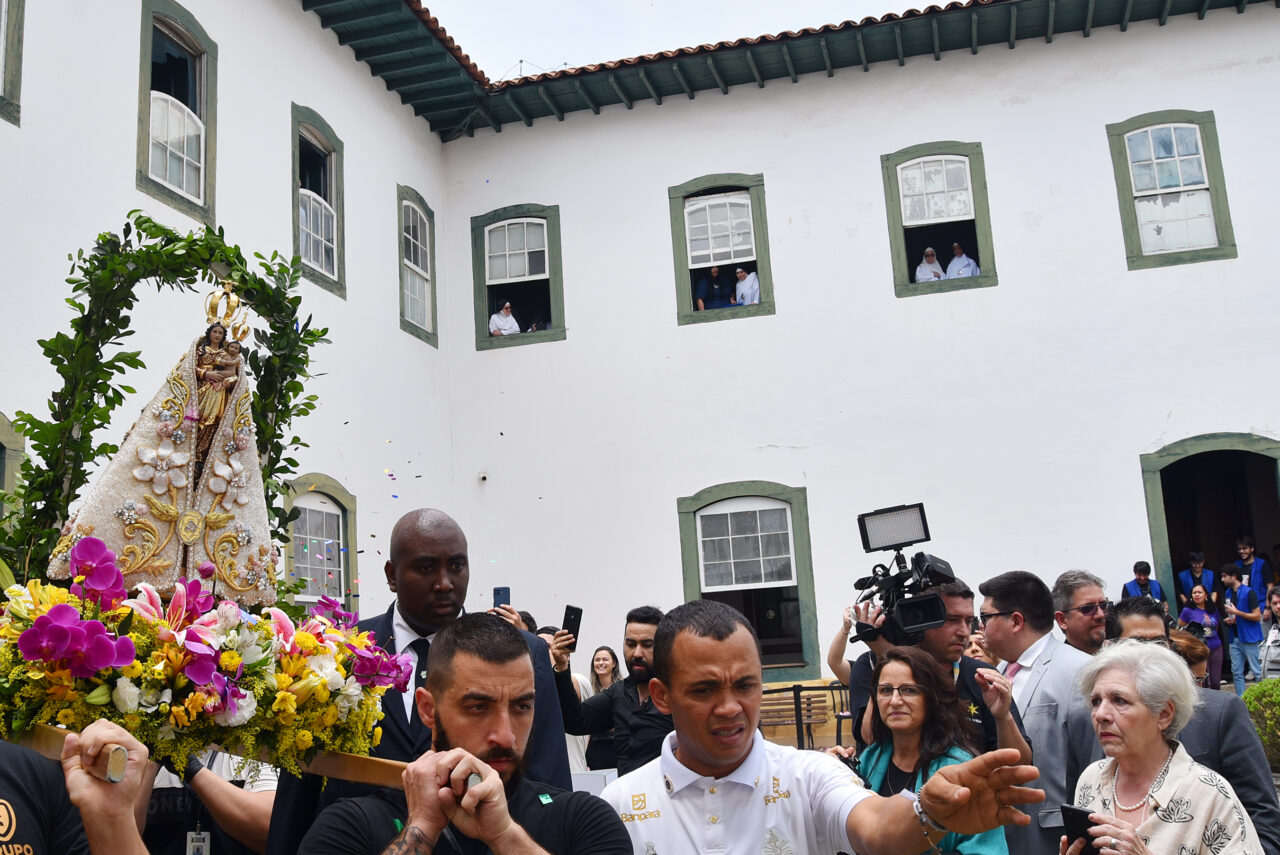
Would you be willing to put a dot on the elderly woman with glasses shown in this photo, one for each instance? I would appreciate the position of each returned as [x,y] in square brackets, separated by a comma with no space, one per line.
[1148,797]
[917,728]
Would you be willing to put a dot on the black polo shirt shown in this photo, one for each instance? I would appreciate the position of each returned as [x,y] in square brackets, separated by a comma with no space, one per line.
[563,822]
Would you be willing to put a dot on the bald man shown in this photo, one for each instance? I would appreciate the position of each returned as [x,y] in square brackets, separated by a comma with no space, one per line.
[428,572]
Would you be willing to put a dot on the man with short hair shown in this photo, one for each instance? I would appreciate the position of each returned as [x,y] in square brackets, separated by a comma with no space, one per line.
[1257,574]
[1244,624]
[985,695]
[638,726]
[1220,735]
[470,790]
[428,570]
[1195,575]
[719,786]
[1142,585]
[1080,609]
[1017,615]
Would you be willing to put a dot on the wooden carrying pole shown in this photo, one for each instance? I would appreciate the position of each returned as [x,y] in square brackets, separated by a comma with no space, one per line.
[47,740]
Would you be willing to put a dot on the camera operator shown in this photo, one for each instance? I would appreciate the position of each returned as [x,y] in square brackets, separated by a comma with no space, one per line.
[986,697]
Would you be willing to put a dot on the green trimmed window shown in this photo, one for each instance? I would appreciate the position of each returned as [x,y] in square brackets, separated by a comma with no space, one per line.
[12,444]
[747,544]
[177,102]
[11,24]
[321,550]
[417,266]
[515,258]
[936,199]
[318,227]
[718,228]
[1171,189]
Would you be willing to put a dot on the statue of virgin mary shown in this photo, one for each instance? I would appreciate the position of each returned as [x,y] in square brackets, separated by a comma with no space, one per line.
[186,486]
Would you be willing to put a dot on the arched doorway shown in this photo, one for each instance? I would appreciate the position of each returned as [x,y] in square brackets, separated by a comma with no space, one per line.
[1204,491]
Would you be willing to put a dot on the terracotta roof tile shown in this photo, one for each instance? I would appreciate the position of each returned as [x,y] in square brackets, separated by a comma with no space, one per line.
[739,43]
[448,43]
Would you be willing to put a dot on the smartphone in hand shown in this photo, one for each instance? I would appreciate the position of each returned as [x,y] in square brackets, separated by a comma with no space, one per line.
[1076,823]
[501,596]
[573,623]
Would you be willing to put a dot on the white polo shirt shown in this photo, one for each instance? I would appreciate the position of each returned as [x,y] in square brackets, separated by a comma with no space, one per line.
[779,800]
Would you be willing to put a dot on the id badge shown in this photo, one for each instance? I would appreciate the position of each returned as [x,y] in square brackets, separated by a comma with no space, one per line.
[198,843]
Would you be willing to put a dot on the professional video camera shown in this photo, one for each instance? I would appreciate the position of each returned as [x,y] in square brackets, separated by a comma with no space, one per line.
[908,612]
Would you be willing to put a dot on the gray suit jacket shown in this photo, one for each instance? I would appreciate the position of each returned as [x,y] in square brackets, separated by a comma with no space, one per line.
[1222,737]
[1052,708]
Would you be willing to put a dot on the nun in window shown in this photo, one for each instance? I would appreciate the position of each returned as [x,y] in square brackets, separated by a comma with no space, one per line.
[748,289]
[502,322]
[961,265]
[929,268]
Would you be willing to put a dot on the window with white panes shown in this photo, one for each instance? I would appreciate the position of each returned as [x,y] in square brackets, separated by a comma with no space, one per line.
[517,251]
[1170,188]
[718,229]
[177,131]
[745,542]
[416,270]
[317,218]
[319,546]
[935,190]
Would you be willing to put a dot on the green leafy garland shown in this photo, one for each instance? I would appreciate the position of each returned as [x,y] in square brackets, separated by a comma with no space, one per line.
[104,290]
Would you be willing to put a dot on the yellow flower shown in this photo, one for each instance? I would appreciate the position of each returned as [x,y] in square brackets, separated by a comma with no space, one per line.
[329,716]
[293,665]
[178,715]
[283,681]
[303,739]
[322,693]
[286,708]
[303,688]
[229,661]
[132,722]
[305,640]
[133,670]
[377,736]
[66,717]
[195,703]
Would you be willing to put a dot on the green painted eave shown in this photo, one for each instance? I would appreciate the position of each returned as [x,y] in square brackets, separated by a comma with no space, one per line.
[401,48]
[961,28]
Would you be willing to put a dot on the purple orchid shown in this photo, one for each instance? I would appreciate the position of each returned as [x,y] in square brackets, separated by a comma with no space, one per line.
[203,664]
[197,599]
[48,637]
[103,582]
[330,608]
[376,667]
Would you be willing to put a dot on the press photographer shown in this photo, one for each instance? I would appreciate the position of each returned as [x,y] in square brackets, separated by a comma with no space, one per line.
[923,606]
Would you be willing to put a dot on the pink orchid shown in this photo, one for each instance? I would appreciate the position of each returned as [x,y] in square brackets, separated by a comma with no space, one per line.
[283,626]
[103,583]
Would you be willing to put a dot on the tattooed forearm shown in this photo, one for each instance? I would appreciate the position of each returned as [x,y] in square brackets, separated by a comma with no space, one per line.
[412,841]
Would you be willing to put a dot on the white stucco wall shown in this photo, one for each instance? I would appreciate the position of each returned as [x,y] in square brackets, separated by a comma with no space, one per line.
[1016,413]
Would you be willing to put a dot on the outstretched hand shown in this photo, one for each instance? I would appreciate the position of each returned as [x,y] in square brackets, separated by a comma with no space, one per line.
[978,795]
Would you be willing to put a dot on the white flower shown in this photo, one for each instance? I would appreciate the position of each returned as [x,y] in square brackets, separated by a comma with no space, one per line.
[245,708]
[152,698]
[126,695]
[230,478]
[326,669]
[349,698]
[162,466]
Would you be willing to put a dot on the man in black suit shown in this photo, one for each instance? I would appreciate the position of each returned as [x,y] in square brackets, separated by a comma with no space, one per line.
[1220,735]
[428,571]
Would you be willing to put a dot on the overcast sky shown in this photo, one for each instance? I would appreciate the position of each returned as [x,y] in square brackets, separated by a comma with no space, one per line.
[556,34]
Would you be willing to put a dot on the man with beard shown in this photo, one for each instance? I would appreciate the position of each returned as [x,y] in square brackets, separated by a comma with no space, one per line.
[638,726]
[469,794]
[428,571]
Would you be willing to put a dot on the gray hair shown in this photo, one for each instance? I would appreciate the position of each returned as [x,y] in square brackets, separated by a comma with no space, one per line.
[1159,676]
[1070,582]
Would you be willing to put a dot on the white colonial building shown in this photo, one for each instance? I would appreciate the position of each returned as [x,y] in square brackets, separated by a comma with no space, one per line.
[1100,393]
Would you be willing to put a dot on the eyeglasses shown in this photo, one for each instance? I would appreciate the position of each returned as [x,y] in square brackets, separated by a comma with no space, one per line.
[906,691]
[1089,608]
[1160,640]
[987,617]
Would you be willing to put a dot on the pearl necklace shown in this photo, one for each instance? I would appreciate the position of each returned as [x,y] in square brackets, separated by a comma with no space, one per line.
[1115,797]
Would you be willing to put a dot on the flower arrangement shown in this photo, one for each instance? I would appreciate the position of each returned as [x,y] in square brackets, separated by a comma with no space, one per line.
[190,673]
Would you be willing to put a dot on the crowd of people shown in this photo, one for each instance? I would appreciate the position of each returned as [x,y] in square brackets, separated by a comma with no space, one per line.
[953,752]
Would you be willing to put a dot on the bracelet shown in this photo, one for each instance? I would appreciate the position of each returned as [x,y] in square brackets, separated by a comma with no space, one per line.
[925,822]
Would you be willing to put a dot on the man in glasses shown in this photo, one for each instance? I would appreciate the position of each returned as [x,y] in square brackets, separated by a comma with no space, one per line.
[1220,734]
[1017,611]
[1080,608]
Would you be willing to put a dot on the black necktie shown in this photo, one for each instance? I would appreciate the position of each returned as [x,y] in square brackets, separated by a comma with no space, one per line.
[420,648]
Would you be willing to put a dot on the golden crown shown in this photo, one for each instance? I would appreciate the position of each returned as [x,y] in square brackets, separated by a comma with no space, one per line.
[223,307]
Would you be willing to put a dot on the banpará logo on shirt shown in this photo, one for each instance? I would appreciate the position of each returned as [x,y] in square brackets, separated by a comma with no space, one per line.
[8,822]
[638,817]
[777,793]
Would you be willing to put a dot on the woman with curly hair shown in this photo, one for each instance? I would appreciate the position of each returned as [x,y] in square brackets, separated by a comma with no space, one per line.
[917,728]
